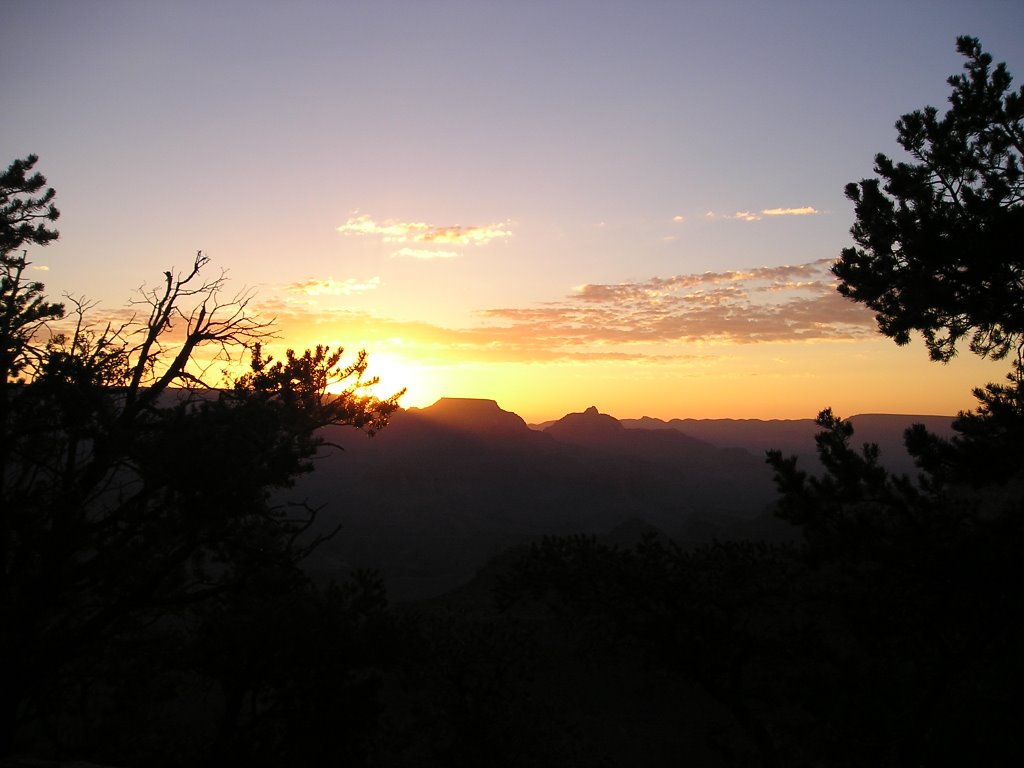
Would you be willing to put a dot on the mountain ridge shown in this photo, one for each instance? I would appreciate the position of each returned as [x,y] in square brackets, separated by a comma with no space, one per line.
[431,498]
[720,429]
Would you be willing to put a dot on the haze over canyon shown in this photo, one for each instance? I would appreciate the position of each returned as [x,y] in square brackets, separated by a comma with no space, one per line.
[444,488]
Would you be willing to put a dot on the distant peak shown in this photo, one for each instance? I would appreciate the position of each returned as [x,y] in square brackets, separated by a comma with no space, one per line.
[477,403]
[590,423]
[474,414]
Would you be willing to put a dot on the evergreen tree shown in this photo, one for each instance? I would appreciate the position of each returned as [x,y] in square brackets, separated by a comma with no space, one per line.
[938,238]
[130,489]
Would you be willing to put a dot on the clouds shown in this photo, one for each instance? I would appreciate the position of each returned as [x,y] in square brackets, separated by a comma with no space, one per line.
[731,283]
[421,237]
[331,287]
[679,317]
[806,210]
[423,254]
[770,304]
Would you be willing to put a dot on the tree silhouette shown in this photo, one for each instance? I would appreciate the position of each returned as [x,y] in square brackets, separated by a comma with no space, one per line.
[938,251]
[890,634]
[23,308]
[928,659]
[715,617]
[23,217]
[938,239]
[132,489]
[917,584]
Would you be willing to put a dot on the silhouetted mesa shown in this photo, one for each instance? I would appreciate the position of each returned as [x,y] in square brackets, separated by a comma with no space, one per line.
[446,487]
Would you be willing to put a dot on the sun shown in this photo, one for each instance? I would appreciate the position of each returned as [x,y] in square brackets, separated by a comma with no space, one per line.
[396,373]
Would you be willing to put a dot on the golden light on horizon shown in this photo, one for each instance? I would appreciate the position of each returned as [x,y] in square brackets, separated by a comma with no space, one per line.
[713,378]
[395,373]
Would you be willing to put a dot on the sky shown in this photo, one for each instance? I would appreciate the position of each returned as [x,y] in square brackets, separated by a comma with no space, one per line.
[631,205]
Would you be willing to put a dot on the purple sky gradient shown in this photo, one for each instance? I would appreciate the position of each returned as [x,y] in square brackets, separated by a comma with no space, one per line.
[615,145]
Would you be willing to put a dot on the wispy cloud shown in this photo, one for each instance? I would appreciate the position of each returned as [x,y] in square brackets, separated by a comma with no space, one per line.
[805,211]
[392,231]
[331,287]
[511,342]
[653,320]
[422,253]
[758,215]
[768,304]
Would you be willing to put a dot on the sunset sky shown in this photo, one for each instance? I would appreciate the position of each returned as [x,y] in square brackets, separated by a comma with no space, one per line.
[631,205]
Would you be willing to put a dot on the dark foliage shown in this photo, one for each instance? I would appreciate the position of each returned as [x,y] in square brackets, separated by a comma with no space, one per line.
[938,238]
[24,217]
[703,619]
[890,634]
[23,308]
[986,449]
[133,496]
[921,586]
[152,581]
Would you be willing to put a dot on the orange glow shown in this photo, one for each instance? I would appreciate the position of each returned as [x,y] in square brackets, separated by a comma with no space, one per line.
[396,373]
[710,379]
[731,381]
